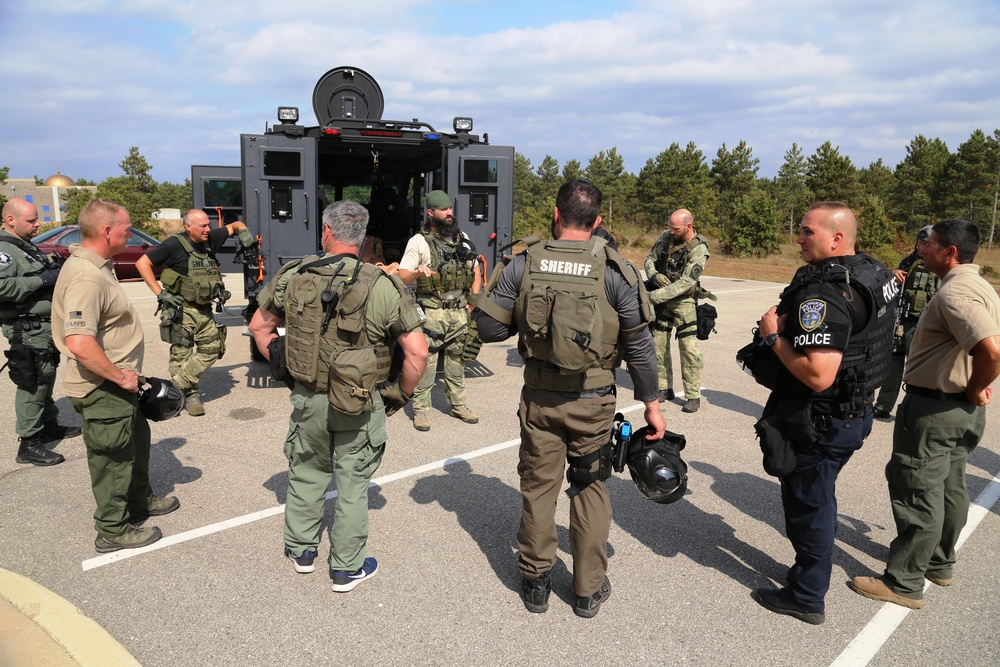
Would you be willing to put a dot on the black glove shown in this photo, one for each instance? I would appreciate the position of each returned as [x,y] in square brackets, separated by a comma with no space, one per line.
[48,277]
[170,299]
[393,397]
[246,239]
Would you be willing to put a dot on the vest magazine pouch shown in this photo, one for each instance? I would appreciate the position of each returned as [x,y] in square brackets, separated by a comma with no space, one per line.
[22,366]
[576,331]
[353,377]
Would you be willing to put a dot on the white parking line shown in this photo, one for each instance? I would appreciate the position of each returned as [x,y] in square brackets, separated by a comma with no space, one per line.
[180,538]
[864,647]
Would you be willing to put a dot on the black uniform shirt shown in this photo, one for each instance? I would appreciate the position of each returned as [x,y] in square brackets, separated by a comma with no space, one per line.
[172,254]
[822,316]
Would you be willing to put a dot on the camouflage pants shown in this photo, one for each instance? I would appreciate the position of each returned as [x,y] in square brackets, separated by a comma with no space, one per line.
[680,316]
[202,343]
[445,330]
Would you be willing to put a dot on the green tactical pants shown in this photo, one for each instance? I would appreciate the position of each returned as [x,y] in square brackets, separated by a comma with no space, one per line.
[117,437]
[203,343]
[324,445]
[678,317]
[33,406]
[889,392]
[552,428]
[931,443]
[444,330]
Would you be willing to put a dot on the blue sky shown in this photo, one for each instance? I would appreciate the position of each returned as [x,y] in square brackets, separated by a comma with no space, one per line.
[83,80]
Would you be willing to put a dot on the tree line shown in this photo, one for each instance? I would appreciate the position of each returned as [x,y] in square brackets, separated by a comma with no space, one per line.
[751,215]
[135,189]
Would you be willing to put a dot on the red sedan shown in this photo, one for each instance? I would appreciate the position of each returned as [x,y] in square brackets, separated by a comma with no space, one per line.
[59,240]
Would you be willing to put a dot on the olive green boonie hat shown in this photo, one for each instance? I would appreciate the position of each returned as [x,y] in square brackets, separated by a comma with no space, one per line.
[438,199]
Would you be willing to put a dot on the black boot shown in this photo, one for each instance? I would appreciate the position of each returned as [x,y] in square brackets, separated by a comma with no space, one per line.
[33,451]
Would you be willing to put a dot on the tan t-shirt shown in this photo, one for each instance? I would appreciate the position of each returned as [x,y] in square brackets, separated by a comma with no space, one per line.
[89,301]
[964,311]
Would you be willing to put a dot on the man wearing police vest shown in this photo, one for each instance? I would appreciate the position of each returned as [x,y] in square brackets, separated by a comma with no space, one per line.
[577,308]
[442,261]
[342,317]
[191,283]
[830,339]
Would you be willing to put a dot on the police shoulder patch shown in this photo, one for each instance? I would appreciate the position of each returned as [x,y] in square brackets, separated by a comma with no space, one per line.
[696,271]
[5,259]
[811,314]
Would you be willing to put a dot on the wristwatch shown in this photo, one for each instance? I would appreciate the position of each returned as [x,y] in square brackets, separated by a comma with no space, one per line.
[770,339]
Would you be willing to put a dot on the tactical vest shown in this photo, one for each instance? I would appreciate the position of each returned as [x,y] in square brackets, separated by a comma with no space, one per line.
[918,288]
[869,349]
[451,260]
[673,259]
[40,301]
[331,351]
[203,280]
[568,330]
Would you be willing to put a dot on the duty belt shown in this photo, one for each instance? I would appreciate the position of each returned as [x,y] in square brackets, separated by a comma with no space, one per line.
[27,322]
[956,397]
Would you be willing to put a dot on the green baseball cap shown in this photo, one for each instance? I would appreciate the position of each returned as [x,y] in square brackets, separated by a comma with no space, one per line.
[438,199]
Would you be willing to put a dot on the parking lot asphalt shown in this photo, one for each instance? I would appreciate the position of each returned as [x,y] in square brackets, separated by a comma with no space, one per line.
[217,590]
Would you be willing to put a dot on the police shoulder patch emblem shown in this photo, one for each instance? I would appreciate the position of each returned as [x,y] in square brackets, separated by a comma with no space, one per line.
[811,314]
[5,259]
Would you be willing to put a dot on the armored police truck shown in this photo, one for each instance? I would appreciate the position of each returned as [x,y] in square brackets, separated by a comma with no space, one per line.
[289,174]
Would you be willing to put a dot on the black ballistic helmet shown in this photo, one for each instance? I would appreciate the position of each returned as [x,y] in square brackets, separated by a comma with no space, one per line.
[656,467]
[160,399]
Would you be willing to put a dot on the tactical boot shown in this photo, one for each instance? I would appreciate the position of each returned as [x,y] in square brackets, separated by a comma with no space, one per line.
[133,538]
[665,395]
[156,507]
[464,413]
[421,421]
[33,451]
[535,593]
[60,432]
[587,607]
[194,405]
[874,588]
[779,601]
[691,405]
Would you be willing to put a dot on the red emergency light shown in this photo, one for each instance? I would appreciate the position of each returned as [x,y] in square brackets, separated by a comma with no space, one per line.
[335,131]
[381,133]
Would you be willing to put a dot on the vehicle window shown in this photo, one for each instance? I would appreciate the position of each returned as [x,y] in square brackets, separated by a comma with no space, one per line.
[138,238]
[70,237]
[45,236]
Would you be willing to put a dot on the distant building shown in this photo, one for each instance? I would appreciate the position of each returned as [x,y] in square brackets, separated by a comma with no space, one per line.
[46,197]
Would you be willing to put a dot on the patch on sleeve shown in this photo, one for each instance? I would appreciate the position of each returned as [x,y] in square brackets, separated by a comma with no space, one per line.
[811,314]
[696,271]
[5,259]
[74,320]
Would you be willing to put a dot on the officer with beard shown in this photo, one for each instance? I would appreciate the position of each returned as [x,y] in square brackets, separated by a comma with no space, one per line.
[441,259]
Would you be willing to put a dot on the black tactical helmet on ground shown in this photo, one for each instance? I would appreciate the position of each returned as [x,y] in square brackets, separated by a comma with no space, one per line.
[656,466]
[160,399]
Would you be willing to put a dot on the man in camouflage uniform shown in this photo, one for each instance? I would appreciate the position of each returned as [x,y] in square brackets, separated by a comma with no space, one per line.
[191,283]
[919,285]
[337,429]
[26,280]
[442,261]
[673,268]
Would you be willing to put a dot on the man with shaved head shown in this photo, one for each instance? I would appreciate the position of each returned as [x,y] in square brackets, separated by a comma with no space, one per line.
[829,342]
[191,282]
[26,280]
[673,267]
